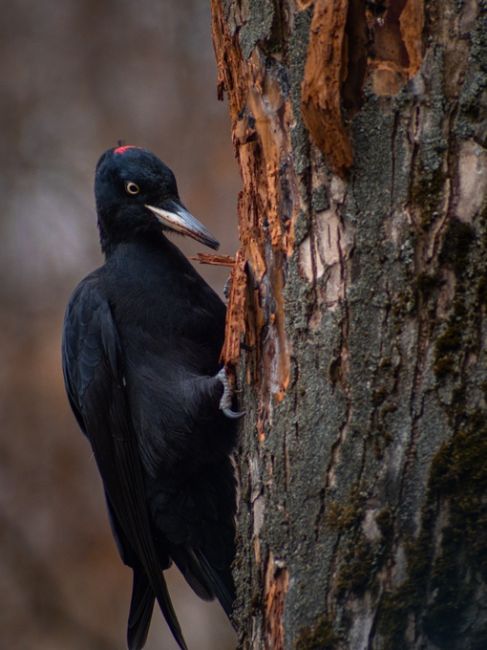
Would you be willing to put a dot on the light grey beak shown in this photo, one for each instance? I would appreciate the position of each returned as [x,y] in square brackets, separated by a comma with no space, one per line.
[174,217]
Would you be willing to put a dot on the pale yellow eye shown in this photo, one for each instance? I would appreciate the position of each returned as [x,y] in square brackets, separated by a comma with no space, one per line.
[131,187]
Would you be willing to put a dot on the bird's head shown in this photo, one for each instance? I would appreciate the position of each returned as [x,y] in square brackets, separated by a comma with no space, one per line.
[136,193]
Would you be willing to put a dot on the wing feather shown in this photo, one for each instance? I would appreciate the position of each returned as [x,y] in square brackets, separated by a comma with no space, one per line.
[93,370]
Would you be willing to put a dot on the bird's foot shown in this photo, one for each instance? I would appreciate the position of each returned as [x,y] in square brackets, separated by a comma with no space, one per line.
[226,399]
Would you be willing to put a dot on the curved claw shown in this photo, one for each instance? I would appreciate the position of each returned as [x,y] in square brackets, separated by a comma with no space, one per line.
[226,398]
[235,415]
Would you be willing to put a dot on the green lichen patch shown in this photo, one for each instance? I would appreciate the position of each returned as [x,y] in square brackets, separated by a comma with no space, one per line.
[449,346]
[450,340]
[464,251]
[322,636]
[427,194]
[482,291]
[443,582]
[457,244]
[385,522]
[392,619]
[363,558]
[340,516]
[360,558]
[379,395]
[358,570]
[459,476]
[427,284]
[396,607]
[404,304]
[446,345]
[347,515]
[459,472]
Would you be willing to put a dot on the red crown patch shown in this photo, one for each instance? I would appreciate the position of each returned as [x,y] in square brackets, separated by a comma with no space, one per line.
[123,149]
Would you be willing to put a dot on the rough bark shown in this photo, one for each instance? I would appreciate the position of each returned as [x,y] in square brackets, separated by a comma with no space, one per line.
[359,291]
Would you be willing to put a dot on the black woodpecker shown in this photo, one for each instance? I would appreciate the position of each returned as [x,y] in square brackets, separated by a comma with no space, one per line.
[141,346]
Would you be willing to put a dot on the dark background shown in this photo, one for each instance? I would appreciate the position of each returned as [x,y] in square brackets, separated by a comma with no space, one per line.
[75,78]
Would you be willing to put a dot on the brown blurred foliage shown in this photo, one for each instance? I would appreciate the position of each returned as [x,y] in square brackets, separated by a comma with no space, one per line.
[76,77]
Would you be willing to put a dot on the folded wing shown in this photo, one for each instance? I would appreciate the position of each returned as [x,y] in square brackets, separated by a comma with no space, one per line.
[94,376]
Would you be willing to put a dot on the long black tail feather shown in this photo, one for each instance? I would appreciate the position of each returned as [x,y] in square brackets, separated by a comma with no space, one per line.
[141,607]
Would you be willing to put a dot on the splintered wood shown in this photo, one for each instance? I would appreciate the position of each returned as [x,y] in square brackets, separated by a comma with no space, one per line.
[235,325]
[398,47]
[276,586]
[348,45]
[214,260]
[321,89]
[262,117]
[411,23]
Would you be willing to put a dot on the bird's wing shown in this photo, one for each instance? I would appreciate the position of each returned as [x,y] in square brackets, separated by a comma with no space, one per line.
[206,552]
[194,513]
[197,519]
[94,377]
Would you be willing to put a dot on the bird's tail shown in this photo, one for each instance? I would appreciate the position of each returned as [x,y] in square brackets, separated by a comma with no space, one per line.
[140,615]
[141,606]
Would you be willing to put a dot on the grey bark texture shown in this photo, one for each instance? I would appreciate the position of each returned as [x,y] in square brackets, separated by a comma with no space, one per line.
[360,292]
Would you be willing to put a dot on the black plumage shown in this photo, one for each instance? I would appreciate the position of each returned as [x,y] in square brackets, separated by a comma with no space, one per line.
[141,345]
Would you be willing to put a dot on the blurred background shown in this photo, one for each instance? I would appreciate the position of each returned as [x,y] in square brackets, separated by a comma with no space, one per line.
[75,78]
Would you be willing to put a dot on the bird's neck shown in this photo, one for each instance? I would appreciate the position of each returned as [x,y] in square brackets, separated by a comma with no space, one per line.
[138,241]
[143,255]
[106,243]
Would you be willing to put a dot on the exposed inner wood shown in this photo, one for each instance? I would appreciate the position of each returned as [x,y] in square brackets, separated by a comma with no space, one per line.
[349,45]
[261,115]
[276,586]
[215,260]
[321,89]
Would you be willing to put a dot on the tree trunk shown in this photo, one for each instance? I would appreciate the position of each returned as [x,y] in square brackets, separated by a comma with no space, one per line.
[359,292]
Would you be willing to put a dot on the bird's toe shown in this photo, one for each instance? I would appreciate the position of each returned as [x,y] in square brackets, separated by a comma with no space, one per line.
[226,399]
